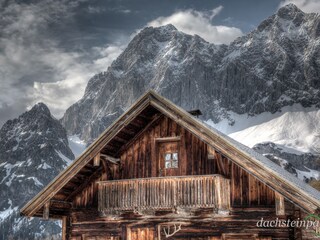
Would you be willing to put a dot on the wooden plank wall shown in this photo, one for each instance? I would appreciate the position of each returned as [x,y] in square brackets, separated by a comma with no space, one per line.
[250,198]
[88,197]
[140,161]
[195,229]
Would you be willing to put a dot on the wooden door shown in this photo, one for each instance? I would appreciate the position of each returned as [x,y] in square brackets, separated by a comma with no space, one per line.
[141,234]
[168,155]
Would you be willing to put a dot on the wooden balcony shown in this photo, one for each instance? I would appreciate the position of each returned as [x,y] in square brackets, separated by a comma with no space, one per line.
[165,193]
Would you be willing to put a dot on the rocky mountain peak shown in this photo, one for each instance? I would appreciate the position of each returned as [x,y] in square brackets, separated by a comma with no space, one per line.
[286,19]
[166,28]
[271,67]
[289,11]
[161,31]
[40,108]
[33,150]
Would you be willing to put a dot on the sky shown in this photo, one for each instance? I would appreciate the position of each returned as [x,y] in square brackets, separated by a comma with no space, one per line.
[49,49]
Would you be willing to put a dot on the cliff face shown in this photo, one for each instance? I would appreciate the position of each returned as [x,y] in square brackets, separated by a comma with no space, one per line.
[33,150]
[273,66]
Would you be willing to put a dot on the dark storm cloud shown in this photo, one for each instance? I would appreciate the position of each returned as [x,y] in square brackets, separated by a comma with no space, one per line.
[36,63]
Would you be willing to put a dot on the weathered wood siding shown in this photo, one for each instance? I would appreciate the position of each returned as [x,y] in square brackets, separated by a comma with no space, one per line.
[140,161]
[252,198]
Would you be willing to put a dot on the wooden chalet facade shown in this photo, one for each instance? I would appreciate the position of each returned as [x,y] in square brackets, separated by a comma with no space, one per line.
[160,173]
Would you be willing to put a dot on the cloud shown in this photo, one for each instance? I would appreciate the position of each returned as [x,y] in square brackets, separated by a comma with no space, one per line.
[308,6]
[74,75]
[106,55]
[95,10]
[35,66]
[200,23]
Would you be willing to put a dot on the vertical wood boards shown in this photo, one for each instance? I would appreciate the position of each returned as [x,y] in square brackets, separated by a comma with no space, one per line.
[142,234]
[192,152]
[141,160]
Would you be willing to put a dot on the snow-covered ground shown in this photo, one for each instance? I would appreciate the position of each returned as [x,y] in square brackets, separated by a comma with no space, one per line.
[311,174]
[7,212]
[295,128]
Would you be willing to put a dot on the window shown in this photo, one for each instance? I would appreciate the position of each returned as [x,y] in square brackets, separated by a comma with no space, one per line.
[171,160]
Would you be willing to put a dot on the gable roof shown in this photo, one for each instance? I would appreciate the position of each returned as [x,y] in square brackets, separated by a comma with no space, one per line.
[292,188]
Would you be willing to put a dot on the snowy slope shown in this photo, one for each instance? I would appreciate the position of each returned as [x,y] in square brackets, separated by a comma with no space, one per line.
[290,137]
[295,128]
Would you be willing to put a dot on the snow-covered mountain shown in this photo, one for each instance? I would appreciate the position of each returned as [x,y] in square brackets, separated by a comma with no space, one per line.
[263,87]
[276,65]
[263,90]
[33,150]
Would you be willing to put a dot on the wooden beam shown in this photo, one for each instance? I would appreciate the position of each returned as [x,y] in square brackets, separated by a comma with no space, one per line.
[46,208]
[280,208]
[96,160]
[134,124]
[168,139]
[211,157]
[110,159]
[129,131]
[54,203]
[120,139]
[64,228]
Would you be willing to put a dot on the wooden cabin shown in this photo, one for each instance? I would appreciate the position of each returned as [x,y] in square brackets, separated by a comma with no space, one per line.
[160,173]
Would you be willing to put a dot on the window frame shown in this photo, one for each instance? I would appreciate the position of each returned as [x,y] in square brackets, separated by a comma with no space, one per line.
[173,163]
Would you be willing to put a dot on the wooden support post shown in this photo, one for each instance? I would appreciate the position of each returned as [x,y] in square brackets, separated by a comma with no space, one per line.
[64,228]
[280,208]
[128,233]
[46,208]
[158,232]
[96,160]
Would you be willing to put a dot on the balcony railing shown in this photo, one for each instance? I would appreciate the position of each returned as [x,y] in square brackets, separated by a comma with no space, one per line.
[206,191]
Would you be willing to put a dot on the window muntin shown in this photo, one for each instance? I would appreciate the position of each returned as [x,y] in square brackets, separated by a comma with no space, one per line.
[171,160]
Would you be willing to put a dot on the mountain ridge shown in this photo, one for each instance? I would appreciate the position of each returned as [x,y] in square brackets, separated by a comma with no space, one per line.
[262,71]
